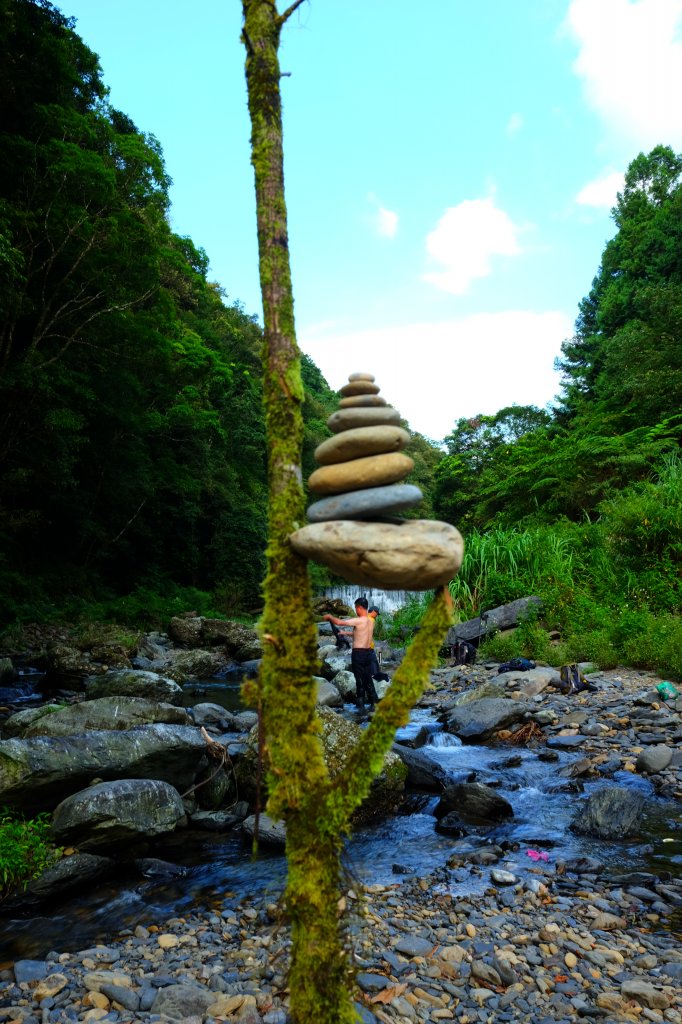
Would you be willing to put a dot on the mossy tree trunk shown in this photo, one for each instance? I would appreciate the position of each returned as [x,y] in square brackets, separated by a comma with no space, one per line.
[316,811]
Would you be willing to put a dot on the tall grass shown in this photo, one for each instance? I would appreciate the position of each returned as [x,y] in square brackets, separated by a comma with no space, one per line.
[611,589]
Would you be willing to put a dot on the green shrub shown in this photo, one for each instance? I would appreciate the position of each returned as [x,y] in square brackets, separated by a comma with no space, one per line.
[25,850]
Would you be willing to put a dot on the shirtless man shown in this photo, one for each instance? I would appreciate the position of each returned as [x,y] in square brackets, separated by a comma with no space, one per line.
[361,656]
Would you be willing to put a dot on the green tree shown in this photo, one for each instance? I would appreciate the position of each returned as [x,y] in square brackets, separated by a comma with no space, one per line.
[317,812]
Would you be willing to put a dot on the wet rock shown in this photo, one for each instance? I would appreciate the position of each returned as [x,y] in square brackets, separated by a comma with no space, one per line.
[38,772]
[270,833]
[474,802]
[68,874]
[654,759]
[134,683]
[611,812]
[480,719]
[112,813]
[118,712]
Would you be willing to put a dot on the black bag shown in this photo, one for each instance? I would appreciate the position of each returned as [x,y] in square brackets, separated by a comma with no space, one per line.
[572,680]
[462,652]
[341,641]
[517,665]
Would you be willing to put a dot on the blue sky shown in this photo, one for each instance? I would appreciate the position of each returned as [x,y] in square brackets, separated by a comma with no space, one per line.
[449,166]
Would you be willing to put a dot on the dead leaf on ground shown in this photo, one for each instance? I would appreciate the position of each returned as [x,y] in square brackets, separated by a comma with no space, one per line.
[387,995]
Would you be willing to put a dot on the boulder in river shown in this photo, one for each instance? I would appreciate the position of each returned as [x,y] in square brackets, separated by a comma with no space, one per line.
[69,874]
[110,814]
[102,713]
[480,719]
[38,772]
[339,737]
[473,802]
[611,813]
[134,683]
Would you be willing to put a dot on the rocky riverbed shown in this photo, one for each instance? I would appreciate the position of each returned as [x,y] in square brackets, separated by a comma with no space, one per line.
[542,936]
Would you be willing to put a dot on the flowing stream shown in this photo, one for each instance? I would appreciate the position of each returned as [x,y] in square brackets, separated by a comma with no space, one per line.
[219,866]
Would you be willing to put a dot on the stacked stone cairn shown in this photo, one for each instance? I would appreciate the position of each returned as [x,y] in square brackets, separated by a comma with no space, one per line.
[353,529]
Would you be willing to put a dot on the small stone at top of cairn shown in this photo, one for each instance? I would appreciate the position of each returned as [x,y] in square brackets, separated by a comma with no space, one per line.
[353,529]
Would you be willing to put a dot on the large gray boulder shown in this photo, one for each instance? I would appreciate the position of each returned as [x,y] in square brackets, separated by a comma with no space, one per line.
[422,771]
[134,683]
[473,802]
[611,813]
[481,719]
[339,739]
[68,874]
[529,684]
[112,813]
[237,640]
[38,772]
[182,666]
[101,713]
[503,617]
[327,694]
[488,688]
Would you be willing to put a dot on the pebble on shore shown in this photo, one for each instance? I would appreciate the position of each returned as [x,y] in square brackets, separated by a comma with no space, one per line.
[544,944]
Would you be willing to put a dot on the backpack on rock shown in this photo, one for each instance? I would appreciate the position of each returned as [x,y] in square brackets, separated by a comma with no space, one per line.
[573,681]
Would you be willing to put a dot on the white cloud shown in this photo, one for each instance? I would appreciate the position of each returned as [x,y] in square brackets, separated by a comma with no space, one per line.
[602,193]
[630,61]
[465,239]
[514,124]
[436,373]
[385,221]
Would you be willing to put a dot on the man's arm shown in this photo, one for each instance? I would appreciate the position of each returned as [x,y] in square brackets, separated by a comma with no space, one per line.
[342,622]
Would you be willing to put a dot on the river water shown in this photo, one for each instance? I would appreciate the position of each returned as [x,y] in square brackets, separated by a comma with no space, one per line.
[220,865]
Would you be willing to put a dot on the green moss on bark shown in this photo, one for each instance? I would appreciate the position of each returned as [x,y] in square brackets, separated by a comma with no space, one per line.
[317,811]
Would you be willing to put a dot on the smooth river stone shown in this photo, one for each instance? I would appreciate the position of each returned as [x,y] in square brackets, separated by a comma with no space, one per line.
[359,387]
[353,444]
[352,377]
[418,554]
[349,419]
[373,471]
[373,501]
[346,403]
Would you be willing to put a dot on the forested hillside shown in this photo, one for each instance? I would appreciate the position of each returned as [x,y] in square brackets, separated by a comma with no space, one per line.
[131,428]
[620,409]
[582,504]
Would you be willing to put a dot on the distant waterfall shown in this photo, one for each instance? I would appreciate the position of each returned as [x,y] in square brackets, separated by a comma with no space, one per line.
[387,601]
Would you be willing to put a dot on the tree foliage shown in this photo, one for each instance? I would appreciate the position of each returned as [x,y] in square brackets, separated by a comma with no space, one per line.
[619,410]
[132,434]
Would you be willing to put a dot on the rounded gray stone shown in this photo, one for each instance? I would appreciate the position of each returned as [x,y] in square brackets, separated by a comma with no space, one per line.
[355,444]
[366,503]
[346,403]
[361,416]
[359,387]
